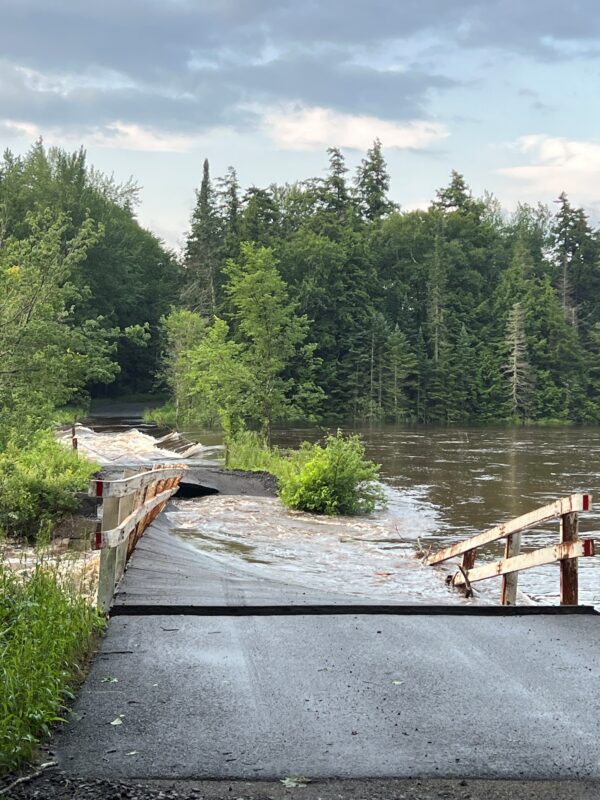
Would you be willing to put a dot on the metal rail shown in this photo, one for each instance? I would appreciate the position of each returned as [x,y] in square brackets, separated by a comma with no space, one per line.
[566,552]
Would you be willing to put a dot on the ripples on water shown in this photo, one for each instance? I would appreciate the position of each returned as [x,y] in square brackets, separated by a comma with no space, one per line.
[472,479]
[372,558]
[442,485]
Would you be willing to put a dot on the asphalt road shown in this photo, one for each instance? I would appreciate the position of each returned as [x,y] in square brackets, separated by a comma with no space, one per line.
[242,699]
[340,697]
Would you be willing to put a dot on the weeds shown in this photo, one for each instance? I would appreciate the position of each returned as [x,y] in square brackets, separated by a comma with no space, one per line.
[332,479]
[46,630]
[37,485]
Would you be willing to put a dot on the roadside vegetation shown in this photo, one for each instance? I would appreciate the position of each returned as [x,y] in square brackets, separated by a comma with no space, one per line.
[46,631]
[71,257]
[311,301]
[38,481]
[330,478]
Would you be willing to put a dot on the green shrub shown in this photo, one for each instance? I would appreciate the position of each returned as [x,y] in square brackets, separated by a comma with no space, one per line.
[164,416]
[37,485]
[46,631]
[334,479]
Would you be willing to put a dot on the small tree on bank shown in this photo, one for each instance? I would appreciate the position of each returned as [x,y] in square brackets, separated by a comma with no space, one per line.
[272,333]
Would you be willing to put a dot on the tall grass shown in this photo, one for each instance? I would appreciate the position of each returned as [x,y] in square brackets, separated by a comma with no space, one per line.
[46,631]
[164,416]
[38,482]
[333,478]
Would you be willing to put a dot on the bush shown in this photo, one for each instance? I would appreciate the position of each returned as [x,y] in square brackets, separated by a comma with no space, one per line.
[37,485]
[164,416]
[46,631]
[334,479]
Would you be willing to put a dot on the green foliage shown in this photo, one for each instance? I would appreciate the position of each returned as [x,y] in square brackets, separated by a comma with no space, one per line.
[37,482]
[340,304]
[46,632]
[241,376]
[335,479]
[164,416]
[248,450]
[107,269]
[270,332]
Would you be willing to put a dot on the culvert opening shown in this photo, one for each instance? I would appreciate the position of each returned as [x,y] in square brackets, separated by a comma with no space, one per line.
[189,490]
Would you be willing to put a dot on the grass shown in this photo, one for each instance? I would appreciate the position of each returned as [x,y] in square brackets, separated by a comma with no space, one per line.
[46,633]
[164,416]
[37,485]
[333,478]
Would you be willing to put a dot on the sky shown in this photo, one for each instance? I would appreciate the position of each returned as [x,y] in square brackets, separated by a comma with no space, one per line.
[504,91]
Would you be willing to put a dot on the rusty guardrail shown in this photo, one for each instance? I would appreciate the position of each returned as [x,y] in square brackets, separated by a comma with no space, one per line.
[129,504]
[566,552]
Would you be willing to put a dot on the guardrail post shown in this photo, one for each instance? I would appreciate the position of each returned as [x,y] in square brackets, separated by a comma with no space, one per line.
[126,507]
[508,594]
[107,576]
[569,578]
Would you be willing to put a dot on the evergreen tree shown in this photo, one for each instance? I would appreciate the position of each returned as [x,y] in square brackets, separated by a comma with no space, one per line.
[259,217]
[575,256]
[337,195]
[373,183]
[517,367]
[229,209]
[201,291]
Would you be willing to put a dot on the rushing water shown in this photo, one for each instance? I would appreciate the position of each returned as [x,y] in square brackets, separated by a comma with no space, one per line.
[443,485]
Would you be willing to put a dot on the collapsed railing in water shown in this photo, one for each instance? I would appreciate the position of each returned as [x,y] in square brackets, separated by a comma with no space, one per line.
[129,505]
[566,552]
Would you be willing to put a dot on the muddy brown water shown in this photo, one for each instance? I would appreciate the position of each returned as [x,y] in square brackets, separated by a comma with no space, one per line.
[443,484]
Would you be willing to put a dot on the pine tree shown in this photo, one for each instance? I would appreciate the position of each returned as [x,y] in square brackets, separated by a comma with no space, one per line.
[575,256]
[228,198]
[400,376]
[517,367]
[337,196]
[201,291]
[372,184]
[259,217]
[437,299]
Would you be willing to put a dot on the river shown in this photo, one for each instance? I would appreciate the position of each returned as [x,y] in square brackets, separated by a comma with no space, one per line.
[443,484]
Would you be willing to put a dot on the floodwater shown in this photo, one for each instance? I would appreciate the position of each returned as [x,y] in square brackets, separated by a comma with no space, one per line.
[443,485]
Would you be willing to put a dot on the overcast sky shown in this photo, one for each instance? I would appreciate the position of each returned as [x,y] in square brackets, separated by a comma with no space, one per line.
[505,91]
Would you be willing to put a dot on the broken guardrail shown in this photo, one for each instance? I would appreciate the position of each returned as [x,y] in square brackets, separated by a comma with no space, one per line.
[566,551]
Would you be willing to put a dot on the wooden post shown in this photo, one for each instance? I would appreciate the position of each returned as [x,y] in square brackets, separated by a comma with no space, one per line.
[569,580]
[126,507]
[508,595]
[108,556]
[468,560]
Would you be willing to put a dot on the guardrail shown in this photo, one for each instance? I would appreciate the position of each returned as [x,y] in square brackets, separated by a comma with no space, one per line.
[566,552]
[129,505]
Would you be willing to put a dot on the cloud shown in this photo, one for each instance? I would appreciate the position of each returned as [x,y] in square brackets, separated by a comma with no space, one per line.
[189,67]
[558,164]
[314,128]
[115,136]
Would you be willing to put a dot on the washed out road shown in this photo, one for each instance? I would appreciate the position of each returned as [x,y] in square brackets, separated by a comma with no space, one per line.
[215,677]
[334,695]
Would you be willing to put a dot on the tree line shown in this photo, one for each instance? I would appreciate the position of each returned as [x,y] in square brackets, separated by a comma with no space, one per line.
[457,313]
[82,287]
[318,299]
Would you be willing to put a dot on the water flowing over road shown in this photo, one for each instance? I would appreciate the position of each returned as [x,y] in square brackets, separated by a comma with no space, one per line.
[442,485]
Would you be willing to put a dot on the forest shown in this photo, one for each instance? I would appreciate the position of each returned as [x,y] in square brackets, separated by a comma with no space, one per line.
[317,300]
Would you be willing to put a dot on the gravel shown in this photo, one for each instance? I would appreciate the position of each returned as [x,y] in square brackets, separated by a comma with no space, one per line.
[52,784]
